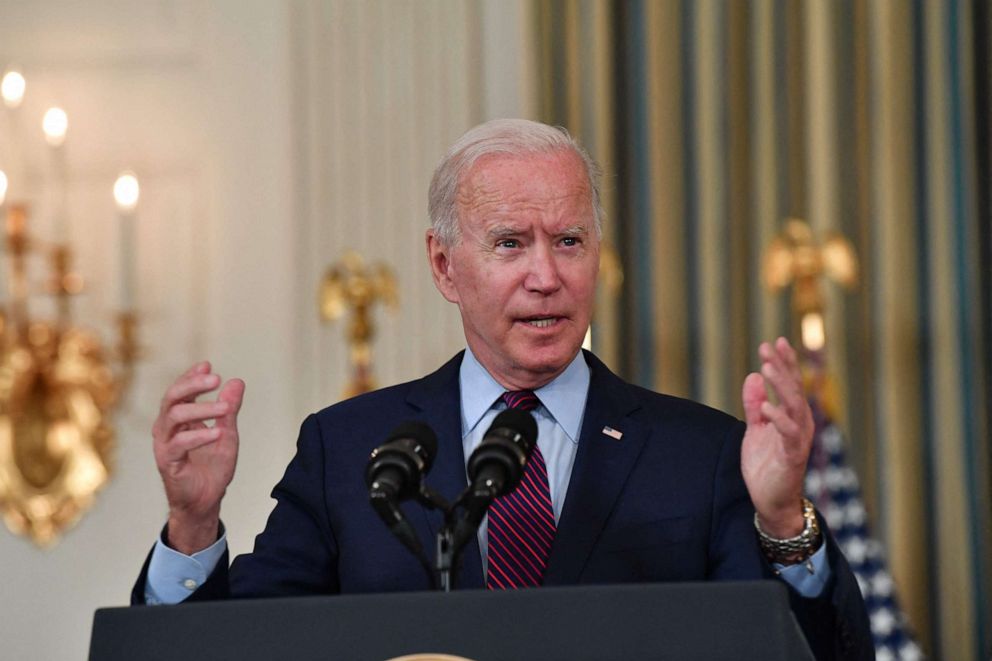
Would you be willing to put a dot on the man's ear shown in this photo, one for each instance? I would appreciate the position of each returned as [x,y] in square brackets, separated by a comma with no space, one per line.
[439,257]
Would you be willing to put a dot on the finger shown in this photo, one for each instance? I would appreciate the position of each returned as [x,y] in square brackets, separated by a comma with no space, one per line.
[753,395]
[231,394]
[186,441]
[780,353]
[787,389]
[789,356]
[769,353]
[770,356]
[202,367]
[182,414]
[785,349]
[782,421]
[187,388]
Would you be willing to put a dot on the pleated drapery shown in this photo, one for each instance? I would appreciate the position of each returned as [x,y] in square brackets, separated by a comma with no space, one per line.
[717,120]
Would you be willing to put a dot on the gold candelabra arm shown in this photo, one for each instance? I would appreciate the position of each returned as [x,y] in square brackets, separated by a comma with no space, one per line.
[17,245]
[63,282]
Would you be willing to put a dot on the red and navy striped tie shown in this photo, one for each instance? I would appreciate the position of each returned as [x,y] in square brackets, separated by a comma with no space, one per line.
[521,523]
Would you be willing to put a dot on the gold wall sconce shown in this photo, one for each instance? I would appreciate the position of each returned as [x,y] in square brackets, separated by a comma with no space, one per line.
[59,384]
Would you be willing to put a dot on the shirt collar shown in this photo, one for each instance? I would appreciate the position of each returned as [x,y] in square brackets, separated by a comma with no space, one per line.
[564,398]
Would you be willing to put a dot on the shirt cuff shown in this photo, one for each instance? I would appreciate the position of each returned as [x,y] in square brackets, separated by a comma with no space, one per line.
[173,576]
[809,585]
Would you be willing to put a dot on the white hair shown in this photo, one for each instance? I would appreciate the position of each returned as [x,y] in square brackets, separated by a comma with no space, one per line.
[515,137]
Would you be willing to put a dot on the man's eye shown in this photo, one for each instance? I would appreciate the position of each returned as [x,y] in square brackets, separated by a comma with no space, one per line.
[570,241]
[507,243]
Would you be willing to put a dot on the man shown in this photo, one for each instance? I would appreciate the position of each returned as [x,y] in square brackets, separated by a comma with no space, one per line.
[627,485]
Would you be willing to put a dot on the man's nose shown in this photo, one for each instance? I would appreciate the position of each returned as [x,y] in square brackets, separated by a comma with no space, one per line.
[542,275]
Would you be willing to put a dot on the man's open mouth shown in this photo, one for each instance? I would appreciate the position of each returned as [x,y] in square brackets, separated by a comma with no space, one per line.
[542,322]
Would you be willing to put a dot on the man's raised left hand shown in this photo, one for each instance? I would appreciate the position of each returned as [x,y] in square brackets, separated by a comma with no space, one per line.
[778,439]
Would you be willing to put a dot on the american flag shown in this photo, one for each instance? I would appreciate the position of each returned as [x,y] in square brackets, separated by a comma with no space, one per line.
[833,487]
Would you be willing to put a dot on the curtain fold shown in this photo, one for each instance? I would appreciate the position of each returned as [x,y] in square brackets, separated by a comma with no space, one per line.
[715,121]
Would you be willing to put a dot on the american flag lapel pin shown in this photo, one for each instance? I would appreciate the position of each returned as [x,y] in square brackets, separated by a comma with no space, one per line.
[613,433]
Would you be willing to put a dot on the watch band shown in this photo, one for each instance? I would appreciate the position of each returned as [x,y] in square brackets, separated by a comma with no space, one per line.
[796,549]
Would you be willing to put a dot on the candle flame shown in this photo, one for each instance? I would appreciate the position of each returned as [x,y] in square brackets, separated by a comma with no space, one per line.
[3,188]
[12,88]
[127,191]
[55,125]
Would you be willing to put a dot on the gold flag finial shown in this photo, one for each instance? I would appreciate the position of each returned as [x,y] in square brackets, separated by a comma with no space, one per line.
[794,257]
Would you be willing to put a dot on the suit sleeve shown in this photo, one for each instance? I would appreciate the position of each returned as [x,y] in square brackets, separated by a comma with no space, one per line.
[835,623]
[296,553]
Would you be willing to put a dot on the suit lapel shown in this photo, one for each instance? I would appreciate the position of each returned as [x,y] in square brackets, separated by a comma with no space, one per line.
[602,464]
[437,397]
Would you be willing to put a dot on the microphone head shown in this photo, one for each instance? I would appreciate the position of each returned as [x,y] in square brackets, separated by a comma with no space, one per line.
[423,437]
[398,465]
[500,458]
[517,421]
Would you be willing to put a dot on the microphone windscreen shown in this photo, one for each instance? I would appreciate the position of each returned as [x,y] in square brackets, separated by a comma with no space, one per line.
[519,421]
[422,434]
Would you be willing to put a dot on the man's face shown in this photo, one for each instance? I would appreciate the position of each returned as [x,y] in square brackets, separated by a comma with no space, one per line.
[523,272]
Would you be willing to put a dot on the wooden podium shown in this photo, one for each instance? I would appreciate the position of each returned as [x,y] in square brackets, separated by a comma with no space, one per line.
[698,621]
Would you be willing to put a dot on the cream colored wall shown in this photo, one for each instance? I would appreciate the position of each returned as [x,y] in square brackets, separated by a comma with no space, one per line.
[268,136]
[384,88]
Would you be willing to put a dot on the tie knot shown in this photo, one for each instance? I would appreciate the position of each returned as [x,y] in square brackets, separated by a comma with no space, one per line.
[525,400]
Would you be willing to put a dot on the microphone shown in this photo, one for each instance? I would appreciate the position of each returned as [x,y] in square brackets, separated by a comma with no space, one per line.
[397,466]
[497,464]
[495,468]
[394,473]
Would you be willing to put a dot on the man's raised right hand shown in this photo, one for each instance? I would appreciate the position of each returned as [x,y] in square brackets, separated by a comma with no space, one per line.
[196,460]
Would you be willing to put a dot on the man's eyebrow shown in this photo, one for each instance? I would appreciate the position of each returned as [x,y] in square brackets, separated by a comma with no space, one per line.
[502,231]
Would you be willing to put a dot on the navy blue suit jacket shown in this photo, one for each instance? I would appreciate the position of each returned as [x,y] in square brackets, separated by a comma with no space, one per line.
[666,502]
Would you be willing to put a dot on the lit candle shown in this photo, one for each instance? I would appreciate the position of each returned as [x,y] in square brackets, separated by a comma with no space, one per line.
[126,193]
[55,125]
[3,221]
[12,89]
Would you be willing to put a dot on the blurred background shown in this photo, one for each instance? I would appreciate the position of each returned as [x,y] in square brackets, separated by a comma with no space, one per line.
[272,136]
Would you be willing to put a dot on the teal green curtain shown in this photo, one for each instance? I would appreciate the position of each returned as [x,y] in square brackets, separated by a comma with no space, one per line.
[717,120]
